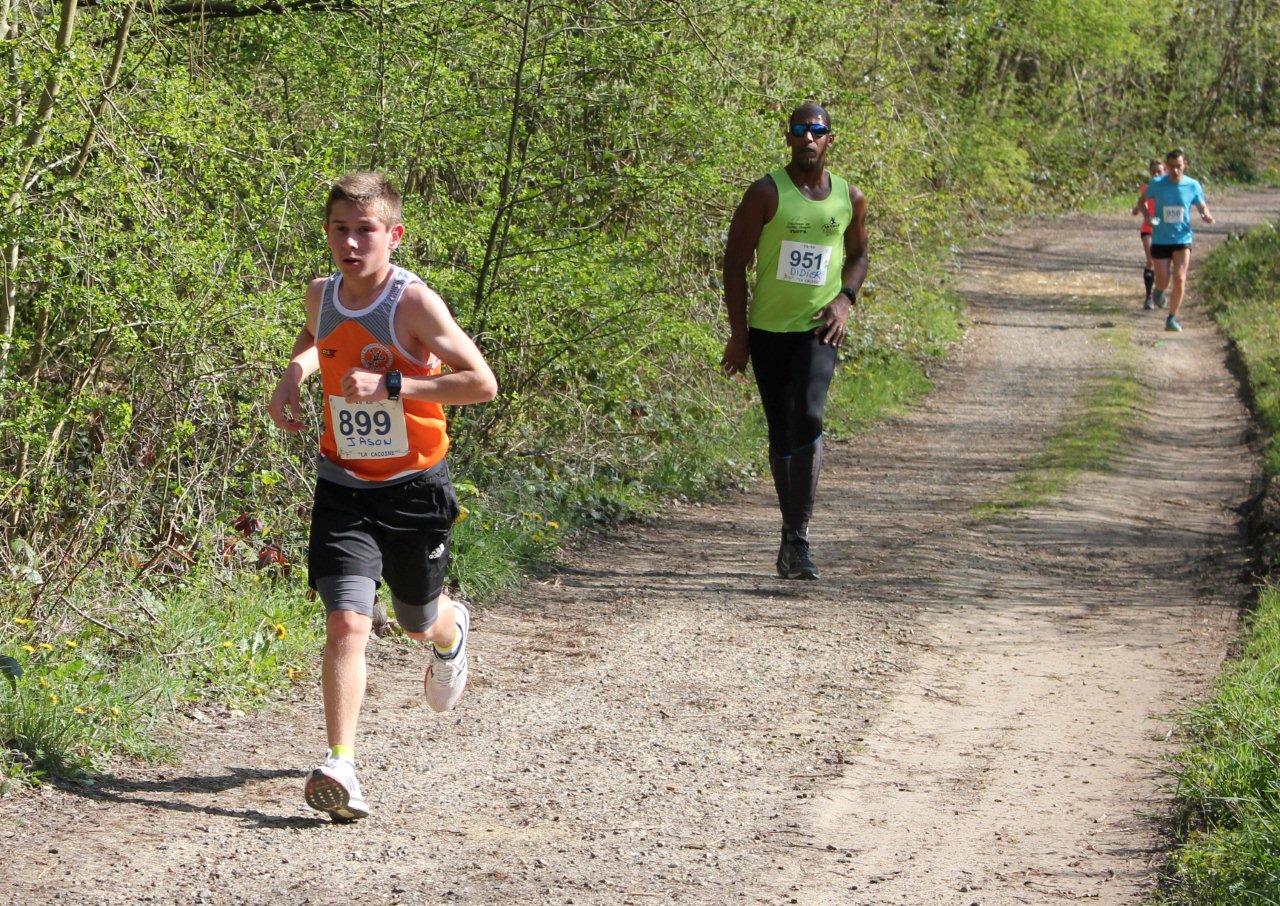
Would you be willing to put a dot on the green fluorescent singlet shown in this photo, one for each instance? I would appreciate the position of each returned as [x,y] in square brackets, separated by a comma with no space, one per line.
[799,257]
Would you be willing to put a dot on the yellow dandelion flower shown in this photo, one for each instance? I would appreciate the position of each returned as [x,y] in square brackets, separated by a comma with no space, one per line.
[537,536]
[71,643]
[22,621]
[227,644]
[552,524]
[79,710]
[537,517]
[115,712]
[280,630]
[29,649]
[463,513]
[291,672]
[44,682]
[53,698]
[45,646]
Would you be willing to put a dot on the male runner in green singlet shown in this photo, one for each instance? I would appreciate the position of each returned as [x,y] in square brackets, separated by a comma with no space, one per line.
[807,230]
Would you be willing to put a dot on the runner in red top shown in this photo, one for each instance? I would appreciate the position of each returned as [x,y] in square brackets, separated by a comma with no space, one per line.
[1156,168]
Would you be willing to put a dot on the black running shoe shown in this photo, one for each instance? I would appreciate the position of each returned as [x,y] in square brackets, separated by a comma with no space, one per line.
[801,565]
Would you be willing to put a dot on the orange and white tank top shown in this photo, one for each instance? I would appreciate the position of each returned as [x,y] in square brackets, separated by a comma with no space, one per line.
[384,442]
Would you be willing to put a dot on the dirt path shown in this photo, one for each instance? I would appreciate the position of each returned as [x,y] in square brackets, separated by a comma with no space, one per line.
[962,711]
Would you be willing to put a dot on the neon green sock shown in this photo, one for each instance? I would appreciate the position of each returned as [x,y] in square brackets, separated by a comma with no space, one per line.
[453,646]
[347,752]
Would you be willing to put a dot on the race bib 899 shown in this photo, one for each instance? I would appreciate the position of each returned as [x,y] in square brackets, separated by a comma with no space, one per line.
[369,430]
[803,262]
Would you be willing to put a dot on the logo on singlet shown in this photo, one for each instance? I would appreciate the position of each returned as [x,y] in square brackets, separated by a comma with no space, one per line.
[376,357]
[831,226]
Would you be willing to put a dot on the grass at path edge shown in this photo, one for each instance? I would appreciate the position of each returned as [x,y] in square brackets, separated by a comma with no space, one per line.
[1089,440]
[1227,779]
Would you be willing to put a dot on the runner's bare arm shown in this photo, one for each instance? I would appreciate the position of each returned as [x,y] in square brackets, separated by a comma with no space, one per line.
[285,405]
[1204,212]
[835,314]
[1140,206]
[856,257]
[744,235]
[430,329]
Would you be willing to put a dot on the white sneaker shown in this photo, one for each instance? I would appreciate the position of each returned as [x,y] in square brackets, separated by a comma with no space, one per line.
[333,788]
[446,678]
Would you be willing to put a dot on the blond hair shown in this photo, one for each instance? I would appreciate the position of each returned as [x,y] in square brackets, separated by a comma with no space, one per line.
[367,190]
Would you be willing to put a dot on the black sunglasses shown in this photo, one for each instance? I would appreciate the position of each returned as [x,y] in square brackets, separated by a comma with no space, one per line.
[798,130]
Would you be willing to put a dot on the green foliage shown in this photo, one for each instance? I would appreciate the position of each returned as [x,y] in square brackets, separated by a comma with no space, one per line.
[1241,283]
[569,171]
[81,692]
[1228,779]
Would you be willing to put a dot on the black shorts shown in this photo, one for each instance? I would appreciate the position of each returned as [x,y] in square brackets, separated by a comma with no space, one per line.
[1165,252]
[399,534]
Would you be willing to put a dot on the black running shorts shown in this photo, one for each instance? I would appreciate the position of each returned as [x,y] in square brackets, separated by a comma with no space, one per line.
[1165,252]
[398,534]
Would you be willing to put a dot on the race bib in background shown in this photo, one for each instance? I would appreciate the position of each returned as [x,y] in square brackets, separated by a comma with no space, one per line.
[803,262]
[369,430]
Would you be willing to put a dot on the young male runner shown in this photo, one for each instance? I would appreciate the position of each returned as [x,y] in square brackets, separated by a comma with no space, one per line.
[807,230]
[1174,195]
[384,505]
[1147,207]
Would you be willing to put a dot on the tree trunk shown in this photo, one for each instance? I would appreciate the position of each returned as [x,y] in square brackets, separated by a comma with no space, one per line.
[66,28]
[108,84]
[504,188]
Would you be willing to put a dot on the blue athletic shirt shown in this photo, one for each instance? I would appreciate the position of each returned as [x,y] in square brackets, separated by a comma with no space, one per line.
[1173,209]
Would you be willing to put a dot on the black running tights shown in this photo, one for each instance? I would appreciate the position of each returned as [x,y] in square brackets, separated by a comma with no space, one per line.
[793,372]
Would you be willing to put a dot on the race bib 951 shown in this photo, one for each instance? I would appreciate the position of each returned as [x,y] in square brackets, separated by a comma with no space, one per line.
[369,430]
[803,262]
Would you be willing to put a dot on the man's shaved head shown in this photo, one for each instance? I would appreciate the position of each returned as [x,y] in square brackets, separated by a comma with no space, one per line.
[807,111]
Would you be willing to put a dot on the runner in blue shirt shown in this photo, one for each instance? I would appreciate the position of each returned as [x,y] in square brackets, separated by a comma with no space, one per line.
[1174,194]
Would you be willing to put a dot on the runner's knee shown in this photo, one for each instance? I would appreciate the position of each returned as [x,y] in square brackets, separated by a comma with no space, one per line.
[346,629]
[805,429]
[780,442]
[348,601]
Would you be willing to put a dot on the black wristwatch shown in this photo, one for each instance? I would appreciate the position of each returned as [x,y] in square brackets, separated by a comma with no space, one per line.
[394,380]
[851,293]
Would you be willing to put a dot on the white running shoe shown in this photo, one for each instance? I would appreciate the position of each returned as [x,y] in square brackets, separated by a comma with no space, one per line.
[446,677]
[333,788]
